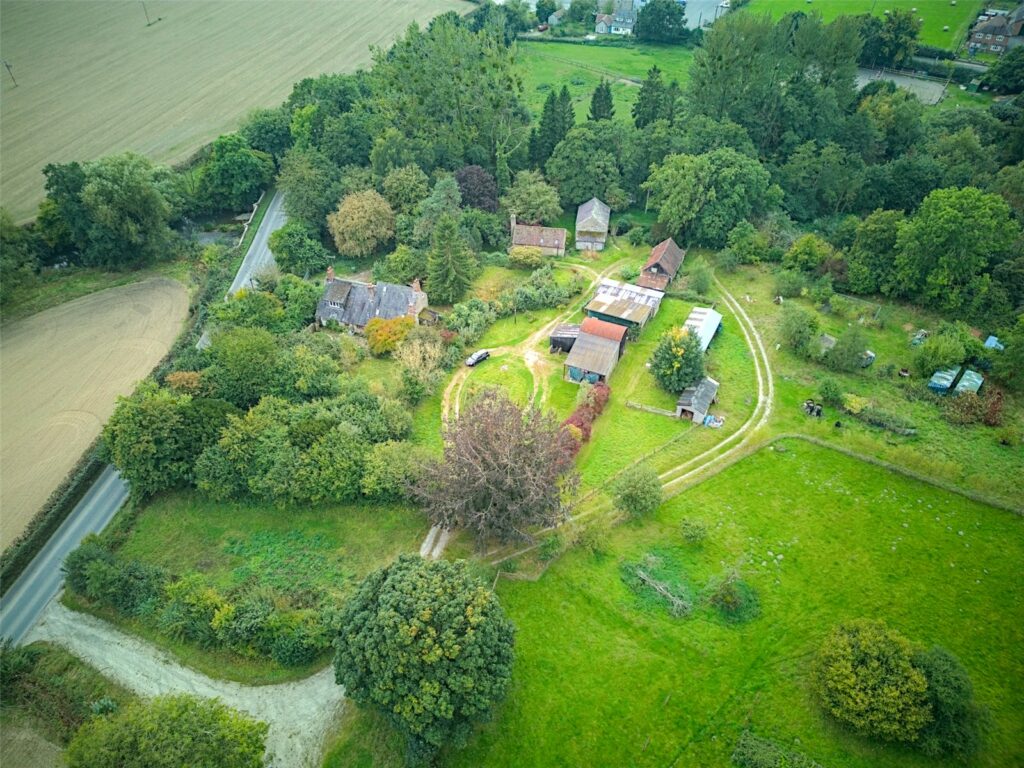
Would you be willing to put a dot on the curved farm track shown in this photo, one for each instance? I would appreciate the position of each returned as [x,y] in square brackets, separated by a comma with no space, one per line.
[61,373]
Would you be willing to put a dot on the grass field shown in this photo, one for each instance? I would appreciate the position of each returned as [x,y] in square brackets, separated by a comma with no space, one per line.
[329,548]
[936,14]
[551,65]
[62,370]
[93,79]
[602,678]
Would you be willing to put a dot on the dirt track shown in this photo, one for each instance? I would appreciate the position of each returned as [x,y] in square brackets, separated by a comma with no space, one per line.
[60,374]
[299,714]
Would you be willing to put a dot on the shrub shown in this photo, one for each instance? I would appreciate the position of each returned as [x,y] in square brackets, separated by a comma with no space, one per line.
[831,393]
[798,329]
[957,719]
[694,532]
[298,638]
[847,354]
[77,563]
[189,610]
[1010,436]
[637,236]
[700,277]
[592,535]
[735,600]
[629,273]
[789,284]
[244,626]
[938,352]
[807,254]
[384,336]
[993,408]
[865,678]
[550,548]
[525,257]
[391,467]
[591,401]
[130,587]
[637,492]
[754,752]
[623,224]
[965,408]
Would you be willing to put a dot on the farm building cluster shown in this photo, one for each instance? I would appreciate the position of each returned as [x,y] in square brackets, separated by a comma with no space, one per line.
[618,312]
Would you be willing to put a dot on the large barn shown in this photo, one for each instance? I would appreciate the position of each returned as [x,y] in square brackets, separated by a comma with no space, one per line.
[624,304]
[662,265]
[592,225]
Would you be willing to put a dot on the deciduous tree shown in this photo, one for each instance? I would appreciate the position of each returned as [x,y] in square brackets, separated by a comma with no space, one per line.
[477,188]
[531,199]
[638,491]
[405,187]
[429,647]
[505,470]
[297,249]
[362,224]
[234,174]
[662,21]
[678,361]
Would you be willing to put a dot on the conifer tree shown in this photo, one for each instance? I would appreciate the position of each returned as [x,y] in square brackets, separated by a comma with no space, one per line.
[449,264]
[651,100]
[601,106]
[567,115]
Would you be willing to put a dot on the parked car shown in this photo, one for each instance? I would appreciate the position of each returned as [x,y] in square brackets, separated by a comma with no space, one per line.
[477,357]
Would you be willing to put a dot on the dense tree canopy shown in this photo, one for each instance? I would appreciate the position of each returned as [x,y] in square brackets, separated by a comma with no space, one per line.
[662,21]
[297,250]
[234,174]
[427,645]
[531,199]
[702,197]
[362,224]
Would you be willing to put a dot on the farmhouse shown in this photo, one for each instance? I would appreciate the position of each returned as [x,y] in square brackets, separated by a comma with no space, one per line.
[627,305]
[941,381]
[661,268]
[354,304]
[620,22]
[556,18]
[704,322]
[592,225]
[998,32]
[595,352]
[550,240]
[695,402]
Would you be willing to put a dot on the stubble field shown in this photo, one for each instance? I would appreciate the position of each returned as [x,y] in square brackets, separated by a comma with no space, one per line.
[93,79]
[62,371]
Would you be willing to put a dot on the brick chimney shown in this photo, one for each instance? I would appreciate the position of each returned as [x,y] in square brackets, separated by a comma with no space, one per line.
[330,274]
[416,285]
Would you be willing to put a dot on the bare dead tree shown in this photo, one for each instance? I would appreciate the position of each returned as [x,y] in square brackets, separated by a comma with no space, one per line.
[505,471]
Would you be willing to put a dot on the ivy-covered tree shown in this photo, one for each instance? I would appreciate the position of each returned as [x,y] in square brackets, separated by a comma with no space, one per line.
[429,647]
[450,263]
[601,106]
[169,732]
[678,361]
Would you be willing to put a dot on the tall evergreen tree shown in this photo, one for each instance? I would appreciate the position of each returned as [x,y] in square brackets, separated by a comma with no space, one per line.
[566,113]
[601,106]
[450,263]
[549,133]
[650,102]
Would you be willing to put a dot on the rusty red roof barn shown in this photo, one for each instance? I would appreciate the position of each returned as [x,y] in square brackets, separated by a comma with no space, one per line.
[604,329]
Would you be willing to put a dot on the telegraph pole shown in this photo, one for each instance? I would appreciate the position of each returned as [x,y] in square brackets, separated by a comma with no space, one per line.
[148,22]
[10,72]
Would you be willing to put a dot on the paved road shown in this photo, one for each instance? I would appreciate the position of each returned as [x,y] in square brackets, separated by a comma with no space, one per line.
[23,603]
[258,257]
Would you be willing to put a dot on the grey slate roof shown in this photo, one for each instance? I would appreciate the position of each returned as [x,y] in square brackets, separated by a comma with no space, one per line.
[594,354]
[351,303]
[698,398]
[593,216]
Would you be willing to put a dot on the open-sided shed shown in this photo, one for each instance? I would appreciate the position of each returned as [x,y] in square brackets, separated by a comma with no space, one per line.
[563,337]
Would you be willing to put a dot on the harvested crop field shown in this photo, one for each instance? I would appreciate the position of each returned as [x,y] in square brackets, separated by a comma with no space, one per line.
[61,372]
[93,79]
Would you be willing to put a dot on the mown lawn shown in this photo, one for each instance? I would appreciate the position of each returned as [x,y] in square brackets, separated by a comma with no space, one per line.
[602,678]
[936,14]
[507,372]
[231,543]
[969,456]
[547,66]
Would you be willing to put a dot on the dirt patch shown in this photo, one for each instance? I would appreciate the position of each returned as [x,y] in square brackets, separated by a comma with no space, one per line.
[25,747]
[299,714]
[60,374]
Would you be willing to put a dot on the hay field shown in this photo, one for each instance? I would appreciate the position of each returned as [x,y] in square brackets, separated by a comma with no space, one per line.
[60,372]
[94,79]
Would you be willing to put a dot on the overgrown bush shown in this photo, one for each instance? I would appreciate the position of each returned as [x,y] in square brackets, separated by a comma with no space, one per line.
[591,402]
[298,638]
[637,235]
[525,257]
[734,599]
[189,608]
[957,720]
[384,336]
[694,532]
[244,625]
[77,563]
[131,587]
[965,408]
[830,391]
[754,752]
[629,273]
[637,492]
[789,284]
